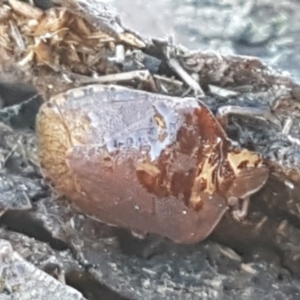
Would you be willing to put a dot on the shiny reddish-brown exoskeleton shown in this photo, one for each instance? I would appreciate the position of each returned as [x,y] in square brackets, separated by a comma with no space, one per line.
[146,162]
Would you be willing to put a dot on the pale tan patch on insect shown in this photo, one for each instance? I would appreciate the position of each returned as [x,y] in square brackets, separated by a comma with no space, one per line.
[204,182]
[55,135]
[148,168]
[243,159]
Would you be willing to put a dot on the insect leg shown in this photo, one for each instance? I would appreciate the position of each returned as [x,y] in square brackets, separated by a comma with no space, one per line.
[240,208]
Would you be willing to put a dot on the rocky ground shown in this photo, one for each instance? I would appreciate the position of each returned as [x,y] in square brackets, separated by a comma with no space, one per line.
[265,29]
[43,239]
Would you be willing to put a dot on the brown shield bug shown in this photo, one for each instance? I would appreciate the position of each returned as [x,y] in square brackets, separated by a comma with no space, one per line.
[146,162]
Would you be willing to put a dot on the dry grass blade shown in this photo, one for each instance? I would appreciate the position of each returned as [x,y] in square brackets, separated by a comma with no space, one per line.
[52,21]
[25,9]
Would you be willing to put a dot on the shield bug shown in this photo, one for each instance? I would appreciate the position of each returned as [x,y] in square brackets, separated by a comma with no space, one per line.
[147,162]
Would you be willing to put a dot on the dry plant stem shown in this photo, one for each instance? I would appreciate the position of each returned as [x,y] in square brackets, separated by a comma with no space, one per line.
[233,71]
[120,54]
[17,36]
[167,80]
[287,126]
[186,77]
[257,112]
[142,76]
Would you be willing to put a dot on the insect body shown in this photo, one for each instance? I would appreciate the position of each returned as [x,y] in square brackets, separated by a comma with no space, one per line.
[146,162]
